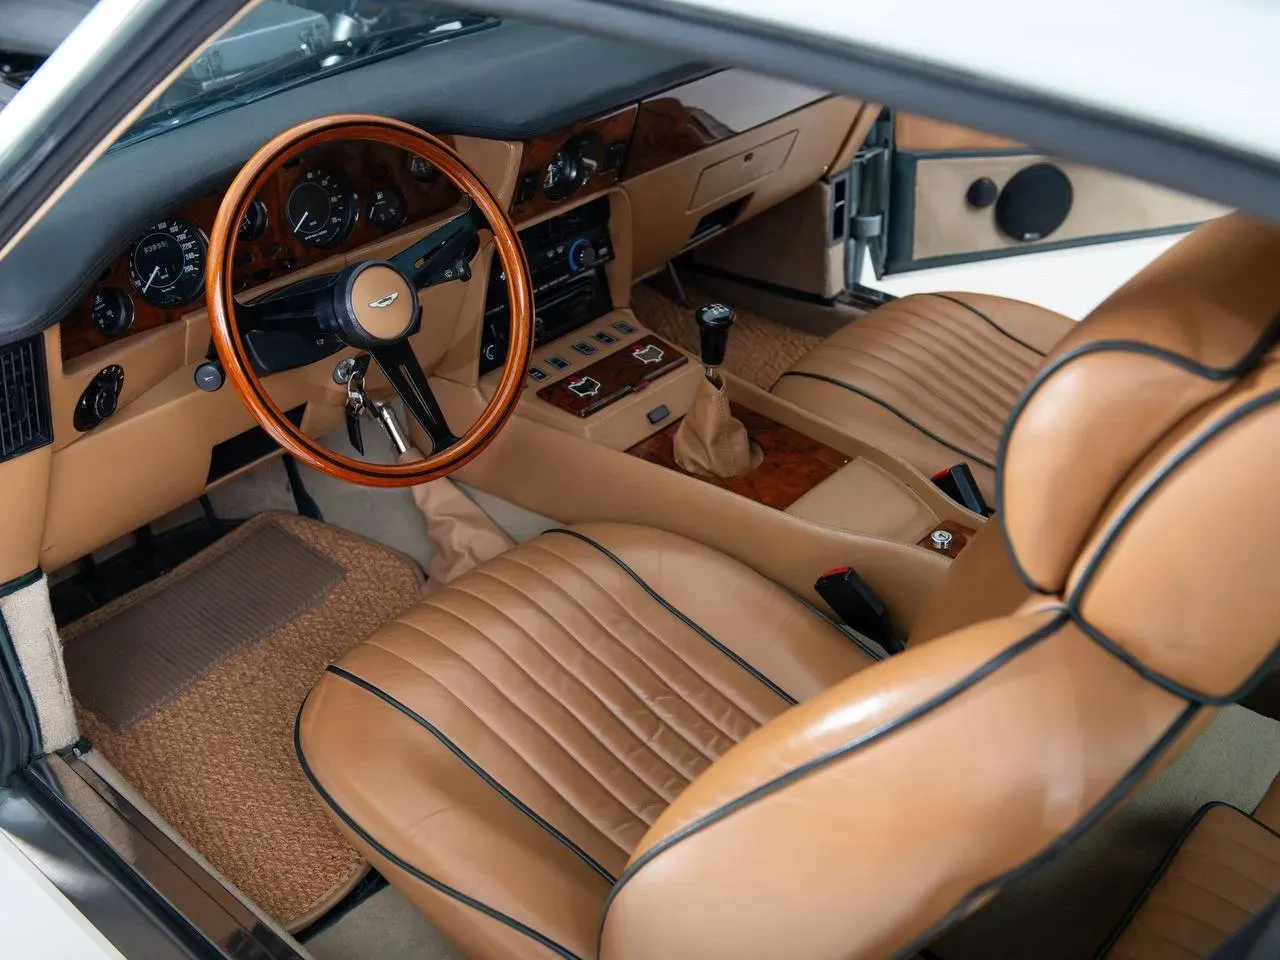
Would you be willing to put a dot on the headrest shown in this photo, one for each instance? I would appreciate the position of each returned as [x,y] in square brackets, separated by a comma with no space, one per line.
[1137,471]
[1176,336]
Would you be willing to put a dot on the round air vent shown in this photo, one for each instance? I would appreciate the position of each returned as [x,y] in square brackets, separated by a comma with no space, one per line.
[1034,202]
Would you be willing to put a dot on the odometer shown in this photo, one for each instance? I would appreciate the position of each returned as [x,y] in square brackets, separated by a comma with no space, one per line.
[320,209]
[167,264]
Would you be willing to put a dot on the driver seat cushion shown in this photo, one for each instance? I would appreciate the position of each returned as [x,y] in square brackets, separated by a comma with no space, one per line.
[932,378]
[500,750]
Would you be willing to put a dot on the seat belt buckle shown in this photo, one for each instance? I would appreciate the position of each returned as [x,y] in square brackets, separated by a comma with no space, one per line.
[959,484]
[860,607]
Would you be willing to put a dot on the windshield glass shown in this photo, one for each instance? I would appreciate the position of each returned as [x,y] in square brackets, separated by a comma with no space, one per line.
[281,44]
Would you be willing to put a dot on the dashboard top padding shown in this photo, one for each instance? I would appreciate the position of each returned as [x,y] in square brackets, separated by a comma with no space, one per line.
[512,82]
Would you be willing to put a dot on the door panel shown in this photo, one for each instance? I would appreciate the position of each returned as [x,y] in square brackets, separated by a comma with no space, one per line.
[933,222]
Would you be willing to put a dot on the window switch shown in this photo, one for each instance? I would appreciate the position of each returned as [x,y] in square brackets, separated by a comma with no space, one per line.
[557,361]
[584,348]
[623,327]
[604,336]
[537,374]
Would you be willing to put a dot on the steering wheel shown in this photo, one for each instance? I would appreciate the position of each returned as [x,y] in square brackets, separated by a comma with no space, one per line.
[371,305]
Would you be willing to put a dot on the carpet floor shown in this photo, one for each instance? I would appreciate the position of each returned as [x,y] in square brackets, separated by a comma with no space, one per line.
[205,731]
[760,350]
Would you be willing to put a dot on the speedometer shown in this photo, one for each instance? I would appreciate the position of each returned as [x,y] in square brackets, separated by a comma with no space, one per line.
[167,264]
[320,209]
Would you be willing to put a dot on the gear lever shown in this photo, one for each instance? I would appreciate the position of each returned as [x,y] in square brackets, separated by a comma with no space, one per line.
[710,440]
[715,320]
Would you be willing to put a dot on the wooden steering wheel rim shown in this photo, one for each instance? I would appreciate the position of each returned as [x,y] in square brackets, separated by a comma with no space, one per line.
[226,335]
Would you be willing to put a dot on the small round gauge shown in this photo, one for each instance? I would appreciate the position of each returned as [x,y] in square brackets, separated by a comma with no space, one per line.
[421,170]
[167,264]
[254,222]
[320,209]
[112,311]
[387,209]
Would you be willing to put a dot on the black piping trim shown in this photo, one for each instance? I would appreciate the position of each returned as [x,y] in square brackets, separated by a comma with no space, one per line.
[818,763]
[1118,525]
[678,614]
[844,629]
[1160,871]
[1251,357]
[974,310]
[488,778]
[1070,836]
[21,582]
[413,871]
[11,664]
[967,454]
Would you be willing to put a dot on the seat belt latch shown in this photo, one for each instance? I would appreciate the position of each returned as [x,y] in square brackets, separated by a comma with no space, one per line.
[959,484]
[858,606]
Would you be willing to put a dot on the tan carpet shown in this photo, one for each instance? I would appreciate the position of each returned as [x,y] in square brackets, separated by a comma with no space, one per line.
[216,758]
[760,349]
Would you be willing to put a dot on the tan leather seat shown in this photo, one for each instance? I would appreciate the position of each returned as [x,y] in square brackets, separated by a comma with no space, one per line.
[931,377]
[515,737]
[586,747]
[1222,872]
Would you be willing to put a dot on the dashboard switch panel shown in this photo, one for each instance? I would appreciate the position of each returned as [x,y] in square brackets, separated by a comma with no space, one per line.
[566,258]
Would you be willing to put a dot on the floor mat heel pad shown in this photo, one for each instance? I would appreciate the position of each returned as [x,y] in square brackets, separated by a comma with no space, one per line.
[191,684]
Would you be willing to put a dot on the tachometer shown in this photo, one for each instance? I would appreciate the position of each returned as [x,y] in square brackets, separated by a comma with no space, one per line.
[167,264]
[320,209]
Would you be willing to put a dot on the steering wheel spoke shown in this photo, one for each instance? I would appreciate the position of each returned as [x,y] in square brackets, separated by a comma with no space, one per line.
[294,308]
[445,254]
[401,367]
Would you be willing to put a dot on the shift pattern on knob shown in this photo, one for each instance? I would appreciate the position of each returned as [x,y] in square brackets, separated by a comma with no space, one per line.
[715,320]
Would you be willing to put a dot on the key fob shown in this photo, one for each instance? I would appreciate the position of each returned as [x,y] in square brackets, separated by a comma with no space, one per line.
[353,431]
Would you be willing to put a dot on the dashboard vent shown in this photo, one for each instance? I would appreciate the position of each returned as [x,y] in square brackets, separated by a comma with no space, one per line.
[24,398]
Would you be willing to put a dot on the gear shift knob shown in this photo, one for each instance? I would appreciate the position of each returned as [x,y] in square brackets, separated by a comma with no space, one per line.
[715,320]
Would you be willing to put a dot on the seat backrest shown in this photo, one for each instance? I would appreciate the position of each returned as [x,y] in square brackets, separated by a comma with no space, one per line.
[1136,490]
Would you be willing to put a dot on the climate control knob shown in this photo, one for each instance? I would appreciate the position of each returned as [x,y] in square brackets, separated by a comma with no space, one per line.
[582,255]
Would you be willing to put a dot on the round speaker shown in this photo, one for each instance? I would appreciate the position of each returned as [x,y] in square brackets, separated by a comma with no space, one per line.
[982,193]
[1034,202]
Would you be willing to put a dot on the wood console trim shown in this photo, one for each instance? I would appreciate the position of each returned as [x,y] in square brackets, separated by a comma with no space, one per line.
[793,464]
[363,166]
[960,536]
[619,374]
[613,128]
[696,115]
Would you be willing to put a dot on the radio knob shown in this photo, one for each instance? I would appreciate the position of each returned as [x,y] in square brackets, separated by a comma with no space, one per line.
[582,255]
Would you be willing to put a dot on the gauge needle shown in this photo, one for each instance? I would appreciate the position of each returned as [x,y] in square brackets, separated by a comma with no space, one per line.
[151,279]
[301,220]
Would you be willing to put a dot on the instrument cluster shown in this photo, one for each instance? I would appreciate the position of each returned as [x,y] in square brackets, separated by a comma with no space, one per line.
[336,197]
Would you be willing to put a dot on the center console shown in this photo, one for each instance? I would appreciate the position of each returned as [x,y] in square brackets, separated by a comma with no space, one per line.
[596,373]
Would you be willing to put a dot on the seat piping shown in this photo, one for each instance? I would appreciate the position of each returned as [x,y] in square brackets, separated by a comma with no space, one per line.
[682,617]
[475,768]
[1118,525]
[820,762]
[967,454]
[409,868]
[974,310]
[1233,371]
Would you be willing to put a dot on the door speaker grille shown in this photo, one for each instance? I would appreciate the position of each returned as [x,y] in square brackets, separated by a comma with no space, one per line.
[24,398]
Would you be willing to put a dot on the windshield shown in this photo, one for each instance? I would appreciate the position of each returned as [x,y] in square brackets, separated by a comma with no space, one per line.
[281,44]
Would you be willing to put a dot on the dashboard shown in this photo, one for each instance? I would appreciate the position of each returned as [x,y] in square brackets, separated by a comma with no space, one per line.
[603,190]
[334,198]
